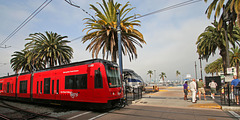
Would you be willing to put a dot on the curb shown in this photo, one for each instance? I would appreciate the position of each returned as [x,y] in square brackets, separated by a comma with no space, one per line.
[230,108]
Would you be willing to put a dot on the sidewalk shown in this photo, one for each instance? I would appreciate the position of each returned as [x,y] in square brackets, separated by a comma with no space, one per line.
[168,104]
[173,97]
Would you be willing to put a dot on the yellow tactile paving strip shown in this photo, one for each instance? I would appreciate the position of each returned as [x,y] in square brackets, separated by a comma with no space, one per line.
[206,105]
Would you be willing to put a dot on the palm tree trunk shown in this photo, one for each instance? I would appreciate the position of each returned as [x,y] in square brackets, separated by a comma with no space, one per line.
[51,62]
[114,55]
[223,54]
[237,68]
[150,79]
[238,19]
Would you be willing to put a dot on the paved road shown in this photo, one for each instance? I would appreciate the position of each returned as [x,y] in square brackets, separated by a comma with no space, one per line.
[141,112]
[167,104]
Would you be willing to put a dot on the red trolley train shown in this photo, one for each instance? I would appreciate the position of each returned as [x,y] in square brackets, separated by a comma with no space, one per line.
[93,81]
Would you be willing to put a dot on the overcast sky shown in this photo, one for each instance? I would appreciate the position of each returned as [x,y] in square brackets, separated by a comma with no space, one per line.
[170,35]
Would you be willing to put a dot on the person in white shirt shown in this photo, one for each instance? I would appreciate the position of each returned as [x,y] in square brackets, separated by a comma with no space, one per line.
[193,88]
[213,86]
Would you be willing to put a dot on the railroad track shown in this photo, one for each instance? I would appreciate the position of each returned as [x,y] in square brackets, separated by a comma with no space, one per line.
[23,114]
[3,117]
[10,110]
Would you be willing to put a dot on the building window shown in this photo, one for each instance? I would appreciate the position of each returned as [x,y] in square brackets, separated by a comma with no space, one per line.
[23,86]
[98,79]
[76,81]
[46,85]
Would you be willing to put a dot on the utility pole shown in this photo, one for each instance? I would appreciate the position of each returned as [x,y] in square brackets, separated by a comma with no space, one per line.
[119,42]
[200,58]
[155,77]
[196,70]
[225,19]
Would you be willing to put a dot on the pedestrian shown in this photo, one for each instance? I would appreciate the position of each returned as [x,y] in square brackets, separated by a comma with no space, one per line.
[201,89]
[193,88]
[213,86]
[185,89]
[234,88]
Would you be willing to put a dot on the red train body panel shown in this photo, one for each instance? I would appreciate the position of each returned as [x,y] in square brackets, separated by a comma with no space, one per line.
[7,86]
[92,81]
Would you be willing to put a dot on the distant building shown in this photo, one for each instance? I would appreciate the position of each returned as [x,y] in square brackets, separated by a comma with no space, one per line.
[188,76]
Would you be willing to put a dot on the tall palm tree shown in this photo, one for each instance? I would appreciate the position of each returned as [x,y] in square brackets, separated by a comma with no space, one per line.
[102,31]
[162,75]
[235,57]
[236,35]
[150,73]
[231,8]
[211,40]
[51,48]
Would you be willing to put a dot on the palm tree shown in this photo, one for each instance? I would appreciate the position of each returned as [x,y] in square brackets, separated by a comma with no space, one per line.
[235,57]
[211,40]
[232,10]
[51,48]
[214,67]
[102,31]
[150,73]
[25,62]
[19,61]
[162,75]
[177,73]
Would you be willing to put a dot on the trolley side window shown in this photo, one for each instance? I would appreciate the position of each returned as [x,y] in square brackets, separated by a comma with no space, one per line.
[76,81]
[8,87]
[57,86]
[52,86]
[41,88]
[37,86]
[98,79]
[0,86]
[46,85]
[23,86]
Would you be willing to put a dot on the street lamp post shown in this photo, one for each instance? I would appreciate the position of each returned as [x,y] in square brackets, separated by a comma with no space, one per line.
[200,58]
[155,76]
[225,19]
[119,42]
[196,69]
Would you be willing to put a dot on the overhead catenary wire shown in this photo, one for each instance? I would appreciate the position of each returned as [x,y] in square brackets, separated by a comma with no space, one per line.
[188,2]
[76,38]
[29,18]
[77,6]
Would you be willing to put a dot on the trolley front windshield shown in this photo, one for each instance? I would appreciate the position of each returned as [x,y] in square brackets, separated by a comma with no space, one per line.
[113,76]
